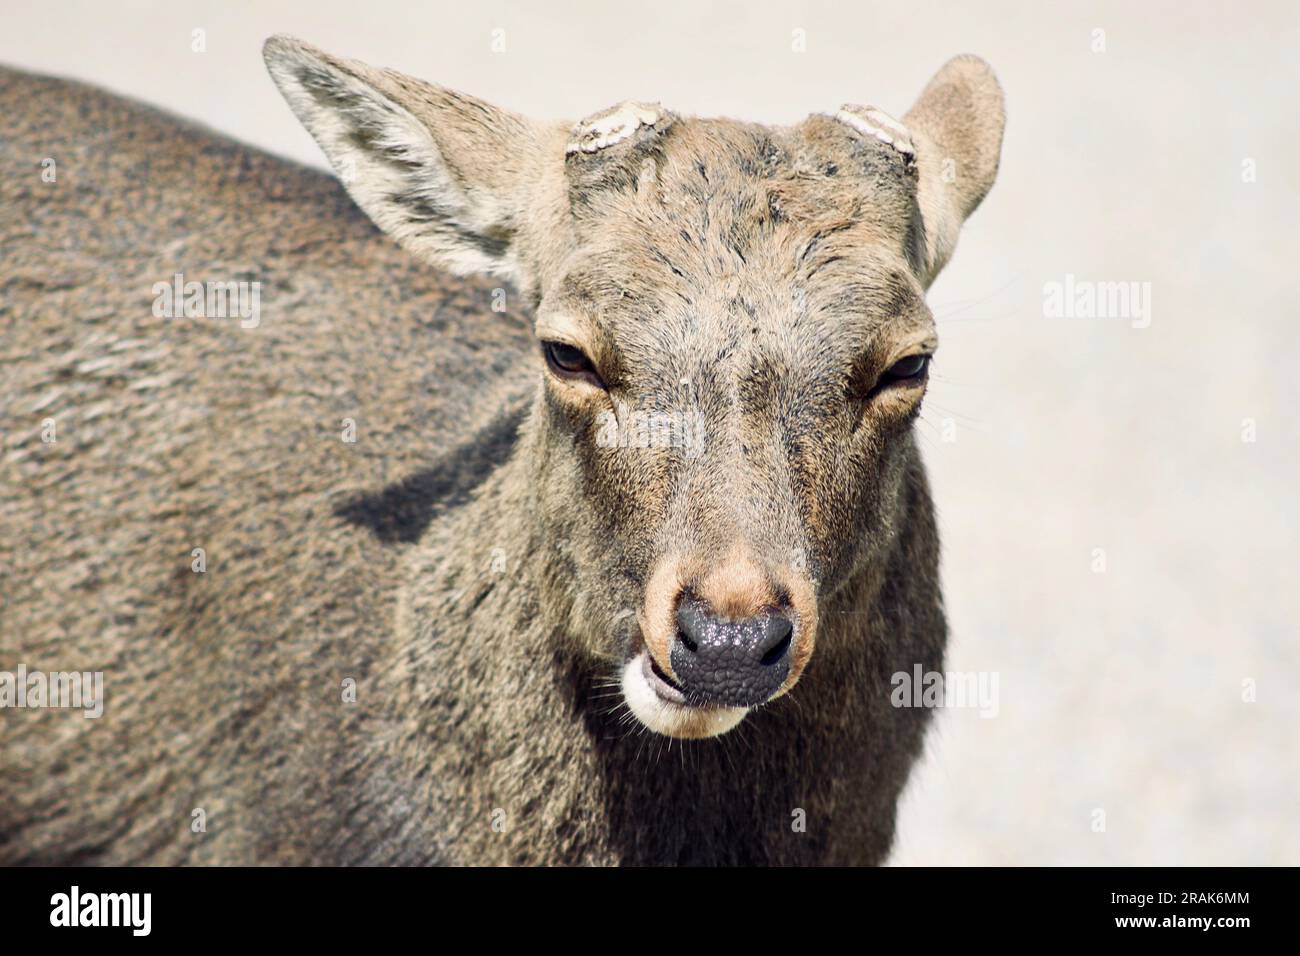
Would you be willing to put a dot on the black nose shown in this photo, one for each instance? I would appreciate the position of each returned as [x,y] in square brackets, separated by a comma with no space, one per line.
[731,663]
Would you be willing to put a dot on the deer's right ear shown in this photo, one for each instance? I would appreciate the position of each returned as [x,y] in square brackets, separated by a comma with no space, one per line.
[445,174]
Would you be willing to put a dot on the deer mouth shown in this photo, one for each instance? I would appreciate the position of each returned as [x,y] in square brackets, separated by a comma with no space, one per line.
[663,685]
[659,703]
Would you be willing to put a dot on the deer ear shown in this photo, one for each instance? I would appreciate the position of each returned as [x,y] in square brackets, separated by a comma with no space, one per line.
[446,175]
[956,131]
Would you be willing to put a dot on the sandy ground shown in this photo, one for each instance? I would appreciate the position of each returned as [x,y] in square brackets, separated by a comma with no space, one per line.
[1117,552]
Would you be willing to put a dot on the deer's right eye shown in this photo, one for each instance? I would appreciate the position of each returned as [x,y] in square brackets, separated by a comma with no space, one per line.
[569,362]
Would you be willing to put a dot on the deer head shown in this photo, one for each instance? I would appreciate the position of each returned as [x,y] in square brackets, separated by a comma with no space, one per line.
[733,341]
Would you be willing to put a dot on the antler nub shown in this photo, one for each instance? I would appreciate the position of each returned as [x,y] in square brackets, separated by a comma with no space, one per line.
[614,125]
[878,124]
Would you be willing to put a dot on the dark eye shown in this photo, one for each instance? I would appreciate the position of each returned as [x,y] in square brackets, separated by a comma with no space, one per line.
[568,361]
[911,369]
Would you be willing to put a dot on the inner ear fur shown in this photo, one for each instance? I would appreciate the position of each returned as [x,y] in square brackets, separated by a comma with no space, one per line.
[447,175]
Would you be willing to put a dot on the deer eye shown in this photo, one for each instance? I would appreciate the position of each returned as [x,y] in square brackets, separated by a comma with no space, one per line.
[908,370]
[905,374]
[568,361]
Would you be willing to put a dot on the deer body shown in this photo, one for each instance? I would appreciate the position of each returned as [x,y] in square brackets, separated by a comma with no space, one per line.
[397,649]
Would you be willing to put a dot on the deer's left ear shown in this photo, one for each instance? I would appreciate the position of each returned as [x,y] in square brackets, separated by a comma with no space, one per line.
[956,130]
[447,175]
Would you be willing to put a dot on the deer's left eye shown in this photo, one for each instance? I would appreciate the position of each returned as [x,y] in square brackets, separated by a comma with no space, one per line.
[911,369]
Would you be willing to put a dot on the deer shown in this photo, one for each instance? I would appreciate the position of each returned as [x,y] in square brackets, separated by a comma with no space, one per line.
[562,506]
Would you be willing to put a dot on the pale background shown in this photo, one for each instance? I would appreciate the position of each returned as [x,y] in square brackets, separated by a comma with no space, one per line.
[1121,690]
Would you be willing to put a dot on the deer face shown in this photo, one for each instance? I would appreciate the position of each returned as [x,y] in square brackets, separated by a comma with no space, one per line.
[734,342]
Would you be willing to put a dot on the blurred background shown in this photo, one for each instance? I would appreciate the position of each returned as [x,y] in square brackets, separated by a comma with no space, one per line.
[1118,496]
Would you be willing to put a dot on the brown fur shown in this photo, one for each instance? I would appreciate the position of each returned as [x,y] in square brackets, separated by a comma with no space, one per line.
[473,561]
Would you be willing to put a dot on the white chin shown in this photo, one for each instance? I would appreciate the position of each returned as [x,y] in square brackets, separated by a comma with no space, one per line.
[671,719]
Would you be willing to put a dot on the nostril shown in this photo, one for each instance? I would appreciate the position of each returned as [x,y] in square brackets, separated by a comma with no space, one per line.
[780,632]
[692,621]
[778,652]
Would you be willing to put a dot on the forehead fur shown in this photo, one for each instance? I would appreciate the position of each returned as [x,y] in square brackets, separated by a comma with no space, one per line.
[724,224]
[729,187]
